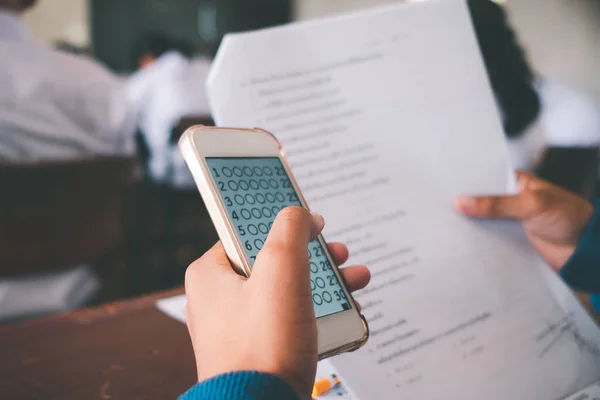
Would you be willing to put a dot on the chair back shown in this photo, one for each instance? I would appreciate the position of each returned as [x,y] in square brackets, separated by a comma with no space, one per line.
[59,214]
[187,122]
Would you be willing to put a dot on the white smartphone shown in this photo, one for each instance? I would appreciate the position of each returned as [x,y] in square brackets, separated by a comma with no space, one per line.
[245,181]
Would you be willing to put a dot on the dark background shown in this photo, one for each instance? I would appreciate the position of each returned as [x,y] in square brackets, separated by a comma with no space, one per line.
[117,24]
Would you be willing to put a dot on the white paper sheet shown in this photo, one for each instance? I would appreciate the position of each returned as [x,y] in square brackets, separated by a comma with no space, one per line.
[173,307]
[385,116]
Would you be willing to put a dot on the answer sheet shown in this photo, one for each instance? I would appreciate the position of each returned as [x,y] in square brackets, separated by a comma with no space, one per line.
[385,116]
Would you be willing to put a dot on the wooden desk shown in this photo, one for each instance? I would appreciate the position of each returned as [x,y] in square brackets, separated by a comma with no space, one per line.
[127,350]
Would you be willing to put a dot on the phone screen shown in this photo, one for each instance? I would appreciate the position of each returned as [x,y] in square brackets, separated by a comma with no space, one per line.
[254,190]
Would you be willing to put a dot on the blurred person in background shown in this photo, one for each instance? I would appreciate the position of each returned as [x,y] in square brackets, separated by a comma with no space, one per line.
[571,118]
[537,112]
[55,105]
[513,83]
[169,85]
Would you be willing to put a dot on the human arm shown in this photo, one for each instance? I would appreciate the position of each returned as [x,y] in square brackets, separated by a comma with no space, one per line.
[246,385]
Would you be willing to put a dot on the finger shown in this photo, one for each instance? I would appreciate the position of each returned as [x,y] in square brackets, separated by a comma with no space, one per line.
[520,206]
[490,206]
[214,264]
[284,256]
[339,252]
[356,278]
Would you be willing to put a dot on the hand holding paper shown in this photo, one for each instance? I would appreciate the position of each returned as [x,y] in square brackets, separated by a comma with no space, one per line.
[553,218]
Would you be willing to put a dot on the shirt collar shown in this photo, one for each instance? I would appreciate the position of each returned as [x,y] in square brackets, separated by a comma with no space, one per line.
[11,27]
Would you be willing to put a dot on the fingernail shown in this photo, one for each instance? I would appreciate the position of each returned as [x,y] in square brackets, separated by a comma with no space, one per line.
[466,202]
[318,222]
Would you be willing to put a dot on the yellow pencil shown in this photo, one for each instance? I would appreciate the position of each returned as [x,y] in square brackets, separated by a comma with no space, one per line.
[323,386]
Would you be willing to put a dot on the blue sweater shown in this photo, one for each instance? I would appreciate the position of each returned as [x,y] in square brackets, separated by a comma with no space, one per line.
[582,272]
[241,386]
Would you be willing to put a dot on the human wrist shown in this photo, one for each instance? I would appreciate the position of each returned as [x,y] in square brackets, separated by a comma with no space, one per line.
[587,212]
[302,388]
[580,218]
[242,384]
[580,271]
[300,384]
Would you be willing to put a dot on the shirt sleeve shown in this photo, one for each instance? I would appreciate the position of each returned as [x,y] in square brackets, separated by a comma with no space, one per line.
[582,271]
[241,386]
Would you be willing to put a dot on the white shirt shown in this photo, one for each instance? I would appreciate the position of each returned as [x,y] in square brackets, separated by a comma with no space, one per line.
[54,105]
[568,118]
[167,90]
[571,118]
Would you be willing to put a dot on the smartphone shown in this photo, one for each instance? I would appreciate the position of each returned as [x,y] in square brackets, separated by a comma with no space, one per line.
[245,181]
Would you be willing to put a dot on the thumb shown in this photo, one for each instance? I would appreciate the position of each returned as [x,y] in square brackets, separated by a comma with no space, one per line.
[520,206]
[284,257]
[491,206]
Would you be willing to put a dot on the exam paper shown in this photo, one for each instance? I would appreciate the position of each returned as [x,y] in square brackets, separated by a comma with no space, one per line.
[385,116]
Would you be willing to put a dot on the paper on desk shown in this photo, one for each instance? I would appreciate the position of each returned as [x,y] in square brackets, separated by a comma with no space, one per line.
[385,116]
[173,307]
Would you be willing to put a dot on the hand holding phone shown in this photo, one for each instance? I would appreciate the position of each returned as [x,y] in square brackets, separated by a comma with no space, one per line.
[245,182]
[265,323]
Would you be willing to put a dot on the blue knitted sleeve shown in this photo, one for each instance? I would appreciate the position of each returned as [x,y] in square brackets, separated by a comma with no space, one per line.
[241,386]
[582,271]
